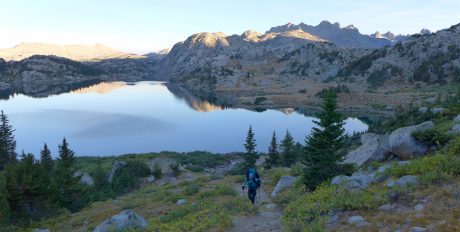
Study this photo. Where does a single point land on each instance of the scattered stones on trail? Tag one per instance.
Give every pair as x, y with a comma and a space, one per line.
355, 219
124, 220
374, 148
85, 178
284, 183
181, 202
117, 165
165, 164
404, 145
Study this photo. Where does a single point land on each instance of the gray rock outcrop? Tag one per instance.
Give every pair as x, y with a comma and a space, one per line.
85, 178
165, 165
404, 145
284, 183
117, 165
124, 220
41, 230
359, 180
374, 148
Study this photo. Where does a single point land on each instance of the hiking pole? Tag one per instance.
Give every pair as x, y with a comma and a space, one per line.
258, 195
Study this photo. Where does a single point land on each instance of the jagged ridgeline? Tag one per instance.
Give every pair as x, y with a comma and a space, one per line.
281, 56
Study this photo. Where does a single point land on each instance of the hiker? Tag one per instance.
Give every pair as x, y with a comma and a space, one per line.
253, 182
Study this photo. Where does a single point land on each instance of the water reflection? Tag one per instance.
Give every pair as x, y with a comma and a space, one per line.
119, 118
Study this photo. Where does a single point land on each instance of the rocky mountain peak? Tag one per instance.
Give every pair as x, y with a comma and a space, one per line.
351, 27
425, 31
207, 39
250, 35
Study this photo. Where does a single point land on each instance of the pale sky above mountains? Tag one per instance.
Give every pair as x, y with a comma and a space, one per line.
142, 26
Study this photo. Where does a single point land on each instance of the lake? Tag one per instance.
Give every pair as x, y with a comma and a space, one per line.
113, 118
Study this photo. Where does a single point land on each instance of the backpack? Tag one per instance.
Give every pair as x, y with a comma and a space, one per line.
256, 175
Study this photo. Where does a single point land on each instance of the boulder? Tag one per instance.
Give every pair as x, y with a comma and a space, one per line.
122, 221
359, 180
284, 183
423, 110
418, 229
403, 145
85, 178
374, 148
385, 208
40, 230
455, 130
150, 179
355, 220
407, 180
419, 207
457, 119
117, 165
431, 100
261, 160
438, 110
165, 165
181, 202
363, 224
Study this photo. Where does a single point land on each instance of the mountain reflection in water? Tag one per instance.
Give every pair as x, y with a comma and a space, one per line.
111, 118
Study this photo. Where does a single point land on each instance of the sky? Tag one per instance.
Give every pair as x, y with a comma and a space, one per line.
142, 26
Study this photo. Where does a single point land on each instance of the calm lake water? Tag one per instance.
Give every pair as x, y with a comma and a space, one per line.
119, 118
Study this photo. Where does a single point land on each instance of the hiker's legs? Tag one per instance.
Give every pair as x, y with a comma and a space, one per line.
252, 194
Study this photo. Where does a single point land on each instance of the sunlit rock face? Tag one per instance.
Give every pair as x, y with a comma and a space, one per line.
101, 88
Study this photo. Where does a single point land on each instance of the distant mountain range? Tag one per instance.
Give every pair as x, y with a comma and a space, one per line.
206, 61
73, 52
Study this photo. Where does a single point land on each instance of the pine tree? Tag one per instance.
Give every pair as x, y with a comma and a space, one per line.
287, 145
27, 194
45, 158
323, 152
7, 142
250, 145
67, 185
4, 205
273, 153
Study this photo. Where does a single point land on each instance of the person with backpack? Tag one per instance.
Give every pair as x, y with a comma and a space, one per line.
253, 182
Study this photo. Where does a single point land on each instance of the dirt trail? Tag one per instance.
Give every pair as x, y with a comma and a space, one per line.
268, 218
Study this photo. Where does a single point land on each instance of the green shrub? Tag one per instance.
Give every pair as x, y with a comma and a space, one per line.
127, 178
191, 189
431, 169
277, 173
157, 171
431, 137
310, 211
296, 170
175, 167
